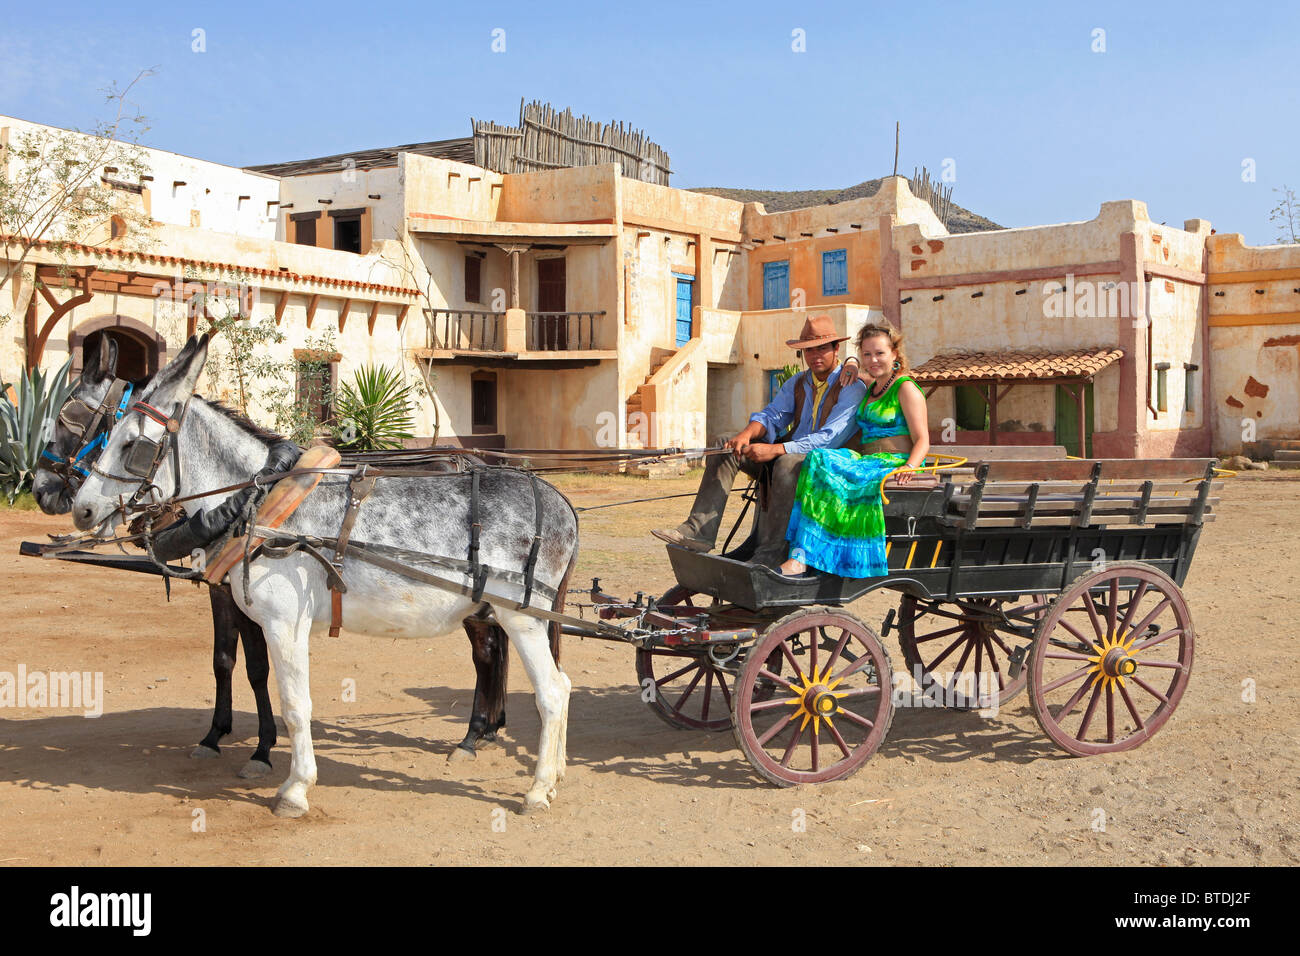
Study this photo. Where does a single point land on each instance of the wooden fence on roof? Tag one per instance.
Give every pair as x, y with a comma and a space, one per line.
547, 139
932, 191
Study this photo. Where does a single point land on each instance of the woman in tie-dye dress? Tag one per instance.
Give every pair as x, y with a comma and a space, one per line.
837, 525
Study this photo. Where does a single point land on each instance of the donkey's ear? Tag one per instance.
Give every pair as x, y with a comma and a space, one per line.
179, 376
101, 363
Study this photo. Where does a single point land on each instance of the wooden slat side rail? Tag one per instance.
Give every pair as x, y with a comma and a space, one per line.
1066, 521
1100, 506
1081, 469
1125, 488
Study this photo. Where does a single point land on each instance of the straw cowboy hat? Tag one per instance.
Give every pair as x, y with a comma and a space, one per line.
818, 330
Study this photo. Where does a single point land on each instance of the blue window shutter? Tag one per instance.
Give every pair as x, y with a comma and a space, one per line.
835, 272
776, 285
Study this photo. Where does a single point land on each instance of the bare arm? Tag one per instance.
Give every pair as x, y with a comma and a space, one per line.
912, 400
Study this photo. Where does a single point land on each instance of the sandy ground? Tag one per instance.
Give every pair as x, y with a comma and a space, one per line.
1214, 786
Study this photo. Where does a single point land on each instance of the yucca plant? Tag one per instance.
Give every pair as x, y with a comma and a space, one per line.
373, 411
27, 425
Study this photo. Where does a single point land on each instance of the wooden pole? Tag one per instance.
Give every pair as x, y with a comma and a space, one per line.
895, 147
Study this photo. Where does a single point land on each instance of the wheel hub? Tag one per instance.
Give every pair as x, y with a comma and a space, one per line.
1117, 663
815, 699
1114, 660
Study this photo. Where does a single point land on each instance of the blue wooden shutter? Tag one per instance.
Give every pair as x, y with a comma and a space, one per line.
776, 285
835, 272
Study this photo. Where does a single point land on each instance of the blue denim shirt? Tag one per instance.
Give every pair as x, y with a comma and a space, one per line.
840, 424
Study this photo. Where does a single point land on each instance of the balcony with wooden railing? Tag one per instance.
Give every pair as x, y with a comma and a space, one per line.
562, 331
470, 335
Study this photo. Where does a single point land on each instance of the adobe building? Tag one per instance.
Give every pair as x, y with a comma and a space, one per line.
574, 306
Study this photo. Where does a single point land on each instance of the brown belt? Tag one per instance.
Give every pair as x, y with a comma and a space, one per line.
898, 444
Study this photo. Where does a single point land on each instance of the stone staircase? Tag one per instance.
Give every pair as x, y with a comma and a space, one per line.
637, 427
1281, 453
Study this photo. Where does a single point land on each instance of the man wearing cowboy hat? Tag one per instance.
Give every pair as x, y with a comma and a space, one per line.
813, 409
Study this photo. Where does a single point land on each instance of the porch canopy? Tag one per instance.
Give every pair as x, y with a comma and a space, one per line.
994, 374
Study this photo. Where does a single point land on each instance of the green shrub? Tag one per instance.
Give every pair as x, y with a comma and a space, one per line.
373, 411
27, 426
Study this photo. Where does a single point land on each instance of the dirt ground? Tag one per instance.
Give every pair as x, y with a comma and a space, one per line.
1215, 786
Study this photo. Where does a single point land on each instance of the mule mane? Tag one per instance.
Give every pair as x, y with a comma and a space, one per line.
245, 423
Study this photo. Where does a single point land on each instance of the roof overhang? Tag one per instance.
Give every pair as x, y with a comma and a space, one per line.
1028, 366
427, 226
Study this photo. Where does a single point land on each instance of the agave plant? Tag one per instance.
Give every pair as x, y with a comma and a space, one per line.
373, 411
27, 425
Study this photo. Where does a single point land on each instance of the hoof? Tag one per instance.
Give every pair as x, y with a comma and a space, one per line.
254, 769
535, 805
290, 811
461, 754
204, 752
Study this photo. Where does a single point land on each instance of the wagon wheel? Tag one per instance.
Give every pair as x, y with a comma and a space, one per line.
963, 656
1111, 659
832, 706
685, 690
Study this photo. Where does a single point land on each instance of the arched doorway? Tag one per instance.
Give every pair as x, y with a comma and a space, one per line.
140, 350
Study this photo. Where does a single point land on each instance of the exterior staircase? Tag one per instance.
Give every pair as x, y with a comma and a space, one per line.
637, 427
1282, 453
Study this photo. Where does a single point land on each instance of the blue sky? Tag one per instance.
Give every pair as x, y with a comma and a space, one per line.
1038, 126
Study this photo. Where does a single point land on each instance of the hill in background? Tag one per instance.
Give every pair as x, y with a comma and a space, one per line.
959, 218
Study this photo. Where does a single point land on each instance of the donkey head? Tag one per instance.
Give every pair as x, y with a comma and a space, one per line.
136, 461
72, 448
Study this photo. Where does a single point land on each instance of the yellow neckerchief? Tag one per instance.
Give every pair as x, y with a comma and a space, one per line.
819, 392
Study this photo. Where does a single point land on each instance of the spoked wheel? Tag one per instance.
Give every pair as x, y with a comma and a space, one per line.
1111, 659
827, 711
964, 654
685, 690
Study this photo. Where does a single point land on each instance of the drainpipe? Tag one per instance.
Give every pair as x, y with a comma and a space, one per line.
1150, 322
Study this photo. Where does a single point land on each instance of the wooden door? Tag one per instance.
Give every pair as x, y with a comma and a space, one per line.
552, 297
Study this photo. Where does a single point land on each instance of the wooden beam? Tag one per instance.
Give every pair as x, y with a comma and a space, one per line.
38, 345
1010, 275
374, 314
279, 306
343, 313
993, 413
311, 308
401, 316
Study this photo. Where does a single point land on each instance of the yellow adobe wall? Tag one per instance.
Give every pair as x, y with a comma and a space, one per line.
577, 194
807, 236
1254, 338
558, 408
441, 187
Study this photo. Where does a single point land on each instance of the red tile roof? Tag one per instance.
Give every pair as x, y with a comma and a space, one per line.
955, 366
149, 257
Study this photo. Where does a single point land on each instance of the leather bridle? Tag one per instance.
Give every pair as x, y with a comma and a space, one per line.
92, 426
142, 457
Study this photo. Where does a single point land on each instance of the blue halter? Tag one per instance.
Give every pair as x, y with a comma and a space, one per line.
99, 441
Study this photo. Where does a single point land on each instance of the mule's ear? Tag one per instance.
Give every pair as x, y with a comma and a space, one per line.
179, 376
107, 356
101, 362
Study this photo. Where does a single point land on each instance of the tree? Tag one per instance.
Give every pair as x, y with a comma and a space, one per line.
1287, 216
65, 187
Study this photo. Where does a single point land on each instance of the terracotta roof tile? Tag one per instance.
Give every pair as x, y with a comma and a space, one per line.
954, 366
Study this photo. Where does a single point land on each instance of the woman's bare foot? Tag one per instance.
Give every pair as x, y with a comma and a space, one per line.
793, 568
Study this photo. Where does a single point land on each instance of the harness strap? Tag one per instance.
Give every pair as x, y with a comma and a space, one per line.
359, 488
537, 542
478, 575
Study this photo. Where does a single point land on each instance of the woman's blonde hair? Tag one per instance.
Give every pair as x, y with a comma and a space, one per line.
895, 341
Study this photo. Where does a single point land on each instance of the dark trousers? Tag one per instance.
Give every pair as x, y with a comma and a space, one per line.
711, 500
